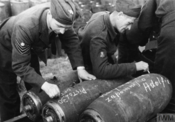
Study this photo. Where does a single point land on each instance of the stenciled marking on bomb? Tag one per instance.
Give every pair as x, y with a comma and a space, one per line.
147, 87
74, 93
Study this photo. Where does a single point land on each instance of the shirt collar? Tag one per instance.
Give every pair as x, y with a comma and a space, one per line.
44, 31
113, 33
48, 17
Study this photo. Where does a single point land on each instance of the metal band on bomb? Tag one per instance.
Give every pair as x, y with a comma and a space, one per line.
32, 105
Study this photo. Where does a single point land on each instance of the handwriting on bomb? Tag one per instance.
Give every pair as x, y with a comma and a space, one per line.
156, 83
71, 94
147, 86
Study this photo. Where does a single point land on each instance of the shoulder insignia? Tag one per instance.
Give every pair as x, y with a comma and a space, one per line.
21, 47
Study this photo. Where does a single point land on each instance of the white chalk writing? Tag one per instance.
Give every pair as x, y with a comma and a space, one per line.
148, 86
73, 93
66, 91
153, 84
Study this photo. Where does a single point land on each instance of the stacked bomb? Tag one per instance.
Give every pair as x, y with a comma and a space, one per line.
73, 103
138, 100
34, 100
83, 93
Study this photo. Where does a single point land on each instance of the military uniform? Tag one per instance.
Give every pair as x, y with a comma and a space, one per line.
99, 43
24, 38
164, 12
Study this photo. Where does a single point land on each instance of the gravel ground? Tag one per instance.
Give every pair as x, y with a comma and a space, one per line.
55, 66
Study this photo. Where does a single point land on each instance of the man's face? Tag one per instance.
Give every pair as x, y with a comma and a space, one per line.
124, 22
59, 28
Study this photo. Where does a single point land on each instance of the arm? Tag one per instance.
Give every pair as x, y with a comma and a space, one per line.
71, 44
129, 52
101, 66
21, 56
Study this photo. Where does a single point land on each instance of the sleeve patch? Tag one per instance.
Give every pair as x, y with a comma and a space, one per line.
22, 47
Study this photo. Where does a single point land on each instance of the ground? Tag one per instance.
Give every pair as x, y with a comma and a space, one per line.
55, 66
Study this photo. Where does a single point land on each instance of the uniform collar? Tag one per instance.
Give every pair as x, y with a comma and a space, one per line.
113, 33
43, 28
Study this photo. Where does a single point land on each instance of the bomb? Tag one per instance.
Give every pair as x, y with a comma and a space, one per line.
76, 99
34, 100
136, 101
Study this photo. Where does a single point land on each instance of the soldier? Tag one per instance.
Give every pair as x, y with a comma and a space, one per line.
24, 38
100, 38
163, 13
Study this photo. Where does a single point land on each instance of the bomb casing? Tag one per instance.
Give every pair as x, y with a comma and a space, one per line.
76, 99
34, 99
136, 101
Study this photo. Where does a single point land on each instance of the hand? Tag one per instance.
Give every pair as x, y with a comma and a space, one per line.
142, 66
51, 90
83, 74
